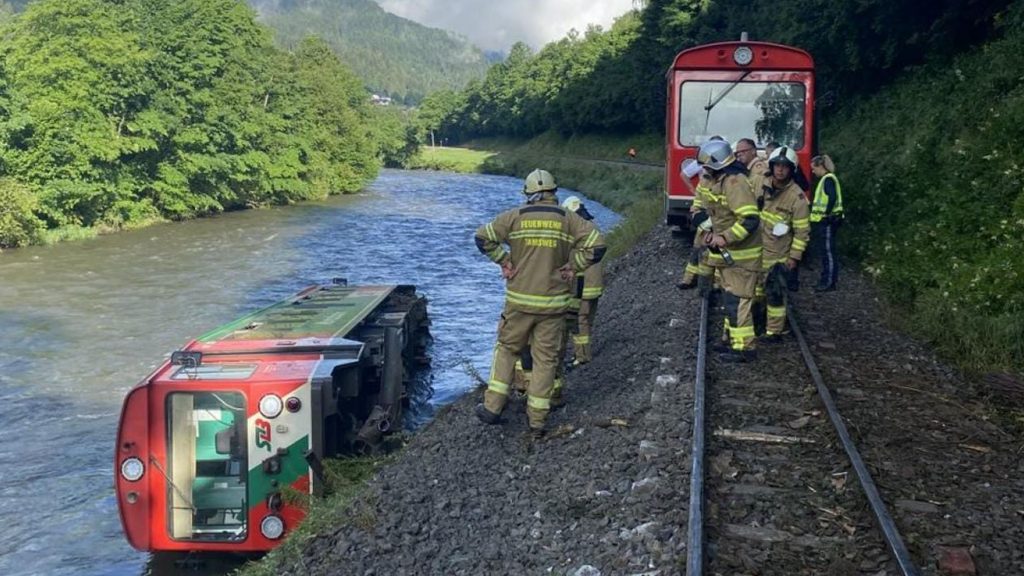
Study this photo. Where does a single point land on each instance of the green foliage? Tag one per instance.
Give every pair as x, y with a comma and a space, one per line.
392, 55
18, 223
936, 197
118, 113
461, 160
613, 80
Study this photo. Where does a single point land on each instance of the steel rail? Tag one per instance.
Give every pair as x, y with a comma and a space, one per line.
892, 535
695, 525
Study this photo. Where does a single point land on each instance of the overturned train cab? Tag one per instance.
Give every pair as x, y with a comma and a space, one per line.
209, 443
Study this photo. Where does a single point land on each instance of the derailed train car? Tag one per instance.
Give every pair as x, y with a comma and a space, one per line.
208, 443
735, 90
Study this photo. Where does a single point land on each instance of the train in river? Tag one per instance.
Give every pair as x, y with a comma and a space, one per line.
735, 90
209, 443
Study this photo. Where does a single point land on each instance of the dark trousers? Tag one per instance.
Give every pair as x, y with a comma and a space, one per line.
823, 244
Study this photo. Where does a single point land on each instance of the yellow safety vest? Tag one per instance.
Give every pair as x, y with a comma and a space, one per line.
820, 204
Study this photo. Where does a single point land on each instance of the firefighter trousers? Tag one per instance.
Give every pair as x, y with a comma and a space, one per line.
515, 331
773, 288
697, 263
740, 286
581, 340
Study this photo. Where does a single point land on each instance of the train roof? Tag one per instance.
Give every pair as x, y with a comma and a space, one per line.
766, 56
317, 319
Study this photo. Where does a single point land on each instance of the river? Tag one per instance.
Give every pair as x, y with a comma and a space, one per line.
82, 322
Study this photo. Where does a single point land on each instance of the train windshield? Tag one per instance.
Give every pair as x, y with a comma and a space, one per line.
206, 466
765, 111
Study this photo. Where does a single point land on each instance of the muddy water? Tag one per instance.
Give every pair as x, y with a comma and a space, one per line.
80, 323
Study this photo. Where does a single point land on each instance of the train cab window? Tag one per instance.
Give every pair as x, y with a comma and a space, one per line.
206, 466
765, 111
228, 371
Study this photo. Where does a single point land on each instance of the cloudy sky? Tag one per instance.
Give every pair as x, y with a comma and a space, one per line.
496, 25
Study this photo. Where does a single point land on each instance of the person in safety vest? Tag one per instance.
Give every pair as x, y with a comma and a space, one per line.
785, 231
734, 244
547, 247
826, 218
588, 287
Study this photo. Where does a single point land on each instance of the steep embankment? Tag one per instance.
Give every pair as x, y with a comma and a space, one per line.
933, 175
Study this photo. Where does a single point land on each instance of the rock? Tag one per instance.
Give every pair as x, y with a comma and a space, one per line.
649, 449
675, 323
758, 533
586, 570
644, 486
665, 380
956, 561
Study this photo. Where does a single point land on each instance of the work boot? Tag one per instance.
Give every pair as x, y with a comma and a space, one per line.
486, 416
537, 434
739, 356
721, 347
824, 288
772, 338
686, 285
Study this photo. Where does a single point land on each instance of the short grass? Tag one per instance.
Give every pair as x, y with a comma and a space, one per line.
347, 479
447, 159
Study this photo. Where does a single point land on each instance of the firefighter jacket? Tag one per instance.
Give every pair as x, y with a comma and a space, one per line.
542, 237
784, 206
733, 210
590, 283
758, 174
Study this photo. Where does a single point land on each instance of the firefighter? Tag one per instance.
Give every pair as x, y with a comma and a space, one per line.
785, 230
547, 247
826, 218
734, 244
588, 288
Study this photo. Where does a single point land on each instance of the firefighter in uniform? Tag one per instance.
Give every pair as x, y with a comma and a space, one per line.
757, 169
697, 265
587, 288
734, 243
785, 230
547, 247
826, 217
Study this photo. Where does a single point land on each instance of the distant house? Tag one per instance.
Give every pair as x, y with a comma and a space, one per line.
380, 100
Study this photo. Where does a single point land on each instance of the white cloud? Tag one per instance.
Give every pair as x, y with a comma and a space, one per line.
496, 25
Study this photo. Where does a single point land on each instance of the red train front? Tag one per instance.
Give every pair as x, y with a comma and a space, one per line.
734, 90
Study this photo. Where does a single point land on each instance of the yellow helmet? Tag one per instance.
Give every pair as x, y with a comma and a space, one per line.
539, 181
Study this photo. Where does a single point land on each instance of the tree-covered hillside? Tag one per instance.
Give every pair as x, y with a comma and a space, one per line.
392, 55
114, 113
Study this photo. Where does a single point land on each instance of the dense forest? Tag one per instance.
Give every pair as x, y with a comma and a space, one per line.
392, 55
115, 113
612, 80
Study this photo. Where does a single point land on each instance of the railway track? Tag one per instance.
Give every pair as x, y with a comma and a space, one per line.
773, 488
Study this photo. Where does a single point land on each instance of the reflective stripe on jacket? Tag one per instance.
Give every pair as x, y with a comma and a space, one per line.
541, 238
787, 206
819, 208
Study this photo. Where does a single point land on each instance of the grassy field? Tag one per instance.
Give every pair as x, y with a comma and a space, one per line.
447, 159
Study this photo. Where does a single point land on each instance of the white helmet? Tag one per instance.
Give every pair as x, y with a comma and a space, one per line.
784, 154
574, 204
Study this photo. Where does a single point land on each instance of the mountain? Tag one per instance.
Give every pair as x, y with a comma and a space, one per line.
392, 55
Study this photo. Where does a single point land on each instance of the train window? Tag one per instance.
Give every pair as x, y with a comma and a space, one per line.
764, 111
206, 466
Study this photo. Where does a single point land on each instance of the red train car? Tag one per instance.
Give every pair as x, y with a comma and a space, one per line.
210, 443
735, 90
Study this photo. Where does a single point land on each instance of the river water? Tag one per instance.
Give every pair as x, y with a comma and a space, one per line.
81, 323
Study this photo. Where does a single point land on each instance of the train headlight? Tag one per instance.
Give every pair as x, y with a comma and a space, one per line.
271, 406
272, 527
743, 55
132, 469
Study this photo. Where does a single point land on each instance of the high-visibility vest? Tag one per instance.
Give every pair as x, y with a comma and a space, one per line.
820, 204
